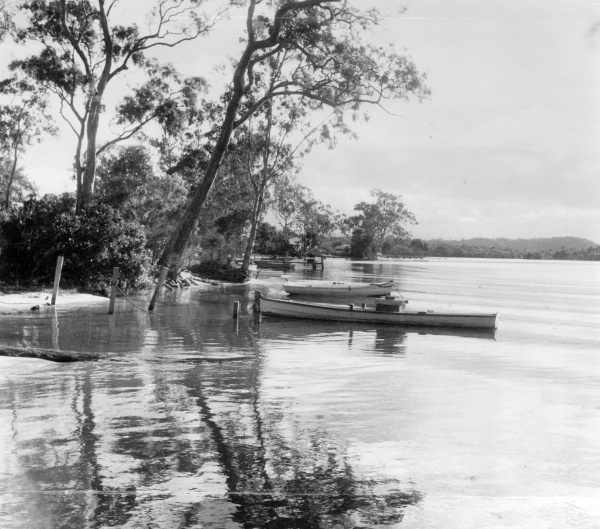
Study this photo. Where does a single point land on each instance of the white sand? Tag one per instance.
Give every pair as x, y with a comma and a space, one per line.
24, 301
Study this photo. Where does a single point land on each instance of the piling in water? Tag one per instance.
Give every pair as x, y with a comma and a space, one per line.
113, 289
256, 305
57, 271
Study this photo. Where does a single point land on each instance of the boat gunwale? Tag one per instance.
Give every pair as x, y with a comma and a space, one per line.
370, 310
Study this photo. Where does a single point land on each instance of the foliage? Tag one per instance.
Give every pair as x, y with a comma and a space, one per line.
362, 245
128, 183
6, 19
92, 242
83, 47
21, 187
402, 247
317, 49
526, 249
219, 271
313, 221
24, 119
375, 221
271, 241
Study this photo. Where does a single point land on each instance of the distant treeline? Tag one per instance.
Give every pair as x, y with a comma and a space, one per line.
567, 248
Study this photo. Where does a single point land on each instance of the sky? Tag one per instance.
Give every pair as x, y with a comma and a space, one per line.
506, 146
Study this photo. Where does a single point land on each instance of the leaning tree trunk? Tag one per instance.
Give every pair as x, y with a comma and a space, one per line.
79, 168
89, 171
252, 236
260, 191
11, 178
176, 245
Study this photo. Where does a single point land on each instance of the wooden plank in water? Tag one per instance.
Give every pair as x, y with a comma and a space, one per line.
54, 355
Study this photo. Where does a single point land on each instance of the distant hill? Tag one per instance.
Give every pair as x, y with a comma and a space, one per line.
521, 246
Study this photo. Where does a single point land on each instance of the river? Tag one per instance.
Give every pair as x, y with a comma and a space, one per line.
193, 420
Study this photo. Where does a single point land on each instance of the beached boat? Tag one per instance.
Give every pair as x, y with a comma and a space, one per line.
384, 312
338, 288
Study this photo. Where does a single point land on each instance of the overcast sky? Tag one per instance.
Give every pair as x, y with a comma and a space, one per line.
507, 145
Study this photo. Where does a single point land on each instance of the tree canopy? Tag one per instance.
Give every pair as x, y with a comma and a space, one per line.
24, 119
83, 46
375, 221
318, 52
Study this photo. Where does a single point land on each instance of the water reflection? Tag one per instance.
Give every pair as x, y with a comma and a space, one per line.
280, 481
195, 421
177, 433
387, 338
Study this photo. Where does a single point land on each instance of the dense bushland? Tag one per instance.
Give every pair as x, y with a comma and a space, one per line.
92, 241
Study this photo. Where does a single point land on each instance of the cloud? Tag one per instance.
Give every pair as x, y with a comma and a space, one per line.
593, 34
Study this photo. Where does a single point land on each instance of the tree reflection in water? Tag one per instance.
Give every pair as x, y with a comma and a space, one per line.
286, 483
137, 432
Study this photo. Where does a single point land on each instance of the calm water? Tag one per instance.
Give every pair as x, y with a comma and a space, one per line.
195, 422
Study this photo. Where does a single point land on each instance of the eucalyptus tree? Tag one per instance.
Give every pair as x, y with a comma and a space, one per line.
326, 64
83, 46
24, 119
375, 221
20, 186
276, 137
6, 16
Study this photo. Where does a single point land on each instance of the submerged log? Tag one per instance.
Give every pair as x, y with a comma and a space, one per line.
54, 355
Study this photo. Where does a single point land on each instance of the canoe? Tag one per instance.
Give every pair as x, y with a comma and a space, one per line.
338, 288
349, 313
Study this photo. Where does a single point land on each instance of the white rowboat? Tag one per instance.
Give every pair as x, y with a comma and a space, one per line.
338, 288
330, 312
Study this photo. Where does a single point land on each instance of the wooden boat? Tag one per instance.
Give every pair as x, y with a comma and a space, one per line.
338, 288
380, 314
276, 328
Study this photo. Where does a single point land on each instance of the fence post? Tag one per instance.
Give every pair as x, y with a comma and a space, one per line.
113, 289
161, 279
57, 271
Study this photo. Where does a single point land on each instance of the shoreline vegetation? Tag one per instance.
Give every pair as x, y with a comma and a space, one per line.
197, 180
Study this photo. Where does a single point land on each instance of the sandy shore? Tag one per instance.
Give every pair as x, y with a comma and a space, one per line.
40, 300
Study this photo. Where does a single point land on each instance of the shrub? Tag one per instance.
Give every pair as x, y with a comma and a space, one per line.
219, 271
92, 242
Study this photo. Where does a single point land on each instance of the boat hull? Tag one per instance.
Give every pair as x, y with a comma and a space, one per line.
330, 312
339, 289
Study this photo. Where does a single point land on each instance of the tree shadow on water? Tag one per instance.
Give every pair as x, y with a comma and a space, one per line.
279, 483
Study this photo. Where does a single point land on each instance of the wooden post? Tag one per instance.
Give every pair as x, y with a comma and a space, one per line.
161, 280
59, 264
54, 330
236, 309
256, 306
113, 289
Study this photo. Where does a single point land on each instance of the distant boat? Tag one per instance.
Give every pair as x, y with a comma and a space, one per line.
338, 288
384, 312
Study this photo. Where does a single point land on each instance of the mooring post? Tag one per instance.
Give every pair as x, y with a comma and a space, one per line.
57, 271
161, 280
113, 289
236, 309
256, 306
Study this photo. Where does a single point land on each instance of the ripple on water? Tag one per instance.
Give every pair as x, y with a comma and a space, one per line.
194, 421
